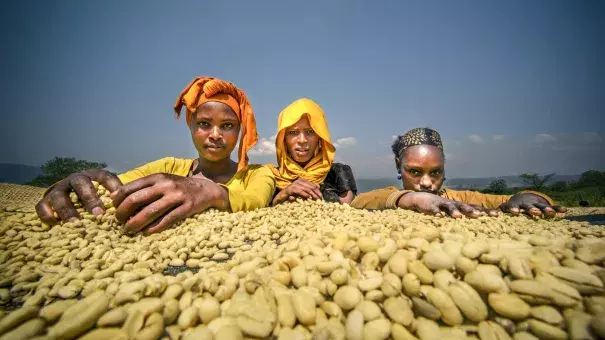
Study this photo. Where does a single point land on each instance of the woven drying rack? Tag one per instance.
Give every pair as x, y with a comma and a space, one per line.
20, 197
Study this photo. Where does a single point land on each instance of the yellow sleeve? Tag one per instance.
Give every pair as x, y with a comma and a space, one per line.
487, 201
385, 198
254, 192
169, 165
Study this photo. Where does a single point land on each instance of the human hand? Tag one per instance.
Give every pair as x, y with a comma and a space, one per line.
300, 188
57, 198
432, 204
489, 212
153, 203
532, 204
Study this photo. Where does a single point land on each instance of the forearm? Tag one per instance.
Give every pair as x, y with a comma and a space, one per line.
399, 199
404, 202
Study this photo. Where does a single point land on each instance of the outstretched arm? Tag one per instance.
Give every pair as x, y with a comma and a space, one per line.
532, 202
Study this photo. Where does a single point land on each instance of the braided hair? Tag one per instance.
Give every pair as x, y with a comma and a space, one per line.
417, 136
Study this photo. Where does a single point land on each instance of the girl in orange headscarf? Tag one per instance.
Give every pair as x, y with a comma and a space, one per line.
157, 194
305, 157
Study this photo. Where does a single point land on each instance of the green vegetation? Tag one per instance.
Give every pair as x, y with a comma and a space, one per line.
589, 188
58, 168
595, 196
535, 181
498, 187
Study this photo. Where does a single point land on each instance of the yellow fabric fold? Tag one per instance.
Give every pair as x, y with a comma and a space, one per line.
318, 167
387, 198
488, 201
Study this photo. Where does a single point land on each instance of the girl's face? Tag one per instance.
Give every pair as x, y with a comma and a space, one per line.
214, 130
422, 168
301, 141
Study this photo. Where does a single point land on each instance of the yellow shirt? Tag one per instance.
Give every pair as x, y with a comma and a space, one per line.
250, 188
387, 198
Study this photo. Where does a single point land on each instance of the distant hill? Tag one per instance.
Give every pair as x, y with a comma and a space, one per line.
511, 181
18, 173
368, 184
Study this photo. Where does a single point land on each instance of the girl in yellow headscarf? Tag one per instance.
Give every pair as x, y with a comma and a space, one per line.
305, 158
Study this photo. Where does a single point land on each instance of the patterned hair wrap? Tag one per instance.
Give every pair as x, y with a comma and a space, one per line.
417, 136
422, 136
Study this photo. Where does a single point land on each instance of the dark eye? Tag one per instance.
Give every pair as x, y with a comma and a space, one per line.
293, 132
414, 172
204, 124
228, 126
311, 132
436, 173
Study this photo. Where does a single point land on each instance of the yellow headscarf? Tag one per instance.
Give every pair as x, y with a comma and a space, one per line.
318, 167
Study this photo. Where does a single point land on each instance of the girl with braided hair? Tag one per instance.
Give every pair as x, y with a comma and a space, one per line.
154, 196
420, 162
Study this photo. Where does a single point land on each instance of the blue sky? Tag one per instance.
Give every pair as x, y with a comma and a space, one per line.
512, 86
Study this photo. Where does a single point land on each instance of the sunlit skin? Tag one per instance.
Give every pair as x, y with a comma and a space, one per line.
423, 170
214, 130
301, 141
302, 144
153, 203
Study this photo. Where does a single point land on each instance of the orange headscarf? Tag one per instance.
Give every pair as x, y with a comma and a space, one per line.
208, 89
318, 167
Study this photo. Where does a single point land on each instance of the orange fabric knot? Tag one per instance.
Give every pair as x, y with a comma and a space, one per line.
206, 89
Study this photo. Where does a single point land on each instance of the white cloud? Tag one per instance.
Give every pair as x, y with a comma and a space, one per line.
264, 147
345, 142
498, 137
476, 139
591, 137
542, 138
